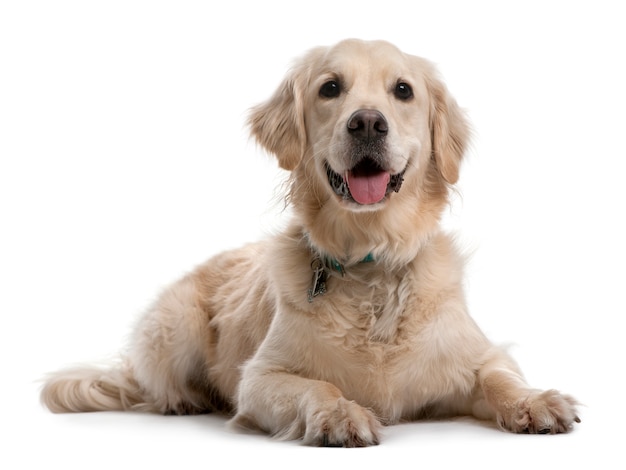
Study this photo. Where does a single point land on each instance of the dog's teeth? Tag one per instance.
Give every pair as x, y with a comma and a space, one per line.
338, 184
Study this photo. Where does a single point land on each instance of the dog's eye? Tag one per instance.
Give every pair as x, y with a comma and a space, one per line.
403, 91
330, 89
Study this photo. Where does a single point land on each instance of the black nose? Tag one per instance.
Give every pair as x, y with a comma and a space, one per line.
367, 124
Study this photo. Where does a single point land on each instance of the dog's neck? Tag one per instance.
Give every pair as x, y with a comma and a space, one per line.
336, 264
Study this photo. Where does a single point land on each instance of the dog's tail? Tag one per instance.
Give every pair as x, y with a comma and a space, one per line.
93, 389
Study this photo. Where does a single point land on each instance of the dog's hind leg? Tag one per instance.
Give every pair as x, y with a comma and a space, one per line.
164, 370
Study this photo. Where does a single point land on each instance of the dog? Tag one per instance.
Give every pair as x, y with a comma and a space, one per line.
353, 317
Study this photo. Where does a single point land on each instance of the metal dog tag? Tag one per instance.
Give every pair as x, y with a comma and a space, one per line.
318, 286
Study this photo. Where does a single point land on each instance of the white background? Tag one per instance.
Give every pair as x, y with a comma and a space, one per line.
124, 161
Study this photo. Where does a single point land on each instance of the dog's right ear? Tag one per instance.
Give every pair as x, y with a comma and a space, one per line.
278, 124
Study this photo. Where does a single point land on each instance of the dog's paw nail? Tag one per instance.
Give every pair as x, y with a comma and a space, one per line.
326, 442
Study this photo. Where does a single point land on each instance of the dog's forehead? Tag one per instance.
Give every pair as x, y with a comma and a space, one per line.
357, 58
363, 49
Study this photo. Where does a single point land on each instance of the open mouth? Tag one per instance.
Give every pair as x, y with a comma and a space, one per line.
366, 183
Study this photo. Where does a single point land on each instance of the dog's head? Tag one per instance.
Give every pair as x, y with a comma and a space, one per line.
357, 123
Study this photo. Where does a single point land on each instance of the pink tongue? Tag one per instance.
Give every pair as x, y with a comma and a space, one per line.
368, 189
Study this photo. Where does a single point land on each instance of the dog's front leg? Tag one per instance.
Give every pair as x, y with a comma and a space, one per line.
292, 407
520, 408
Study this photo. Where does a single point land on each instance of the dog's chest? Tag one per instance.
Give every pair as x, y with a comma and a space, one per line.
366, 306
380, 343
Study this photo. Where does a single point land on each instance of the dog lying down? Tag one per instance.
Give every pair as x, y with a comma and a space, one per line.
353, 317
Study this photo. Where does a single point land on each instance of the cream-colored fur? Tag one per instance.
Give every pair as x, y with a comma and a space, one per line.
389, 339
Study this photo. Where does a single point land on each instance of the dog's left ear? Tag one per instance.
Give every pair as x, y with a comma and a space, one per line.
449, 131
278, 123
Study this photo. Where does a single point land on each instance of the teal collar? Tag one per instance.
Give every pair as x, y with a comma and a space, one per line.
337, 266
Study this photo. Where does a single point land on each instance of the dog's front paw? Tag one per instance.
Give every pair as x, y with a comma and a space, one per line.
342, 424
547, 412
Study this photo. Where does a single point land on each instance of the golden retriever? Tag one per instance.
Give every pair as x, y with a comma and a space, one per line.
353, 317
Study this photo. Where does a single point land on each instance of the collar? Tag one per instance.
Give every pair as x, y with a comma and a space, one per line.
337, 266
